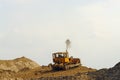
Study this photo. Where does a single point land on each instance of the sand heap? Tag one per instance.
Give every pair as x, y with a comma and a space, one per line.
18, 64
26, 69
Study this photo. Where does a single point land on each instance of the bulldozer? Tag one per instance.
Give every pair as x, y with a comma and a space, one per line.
62, 61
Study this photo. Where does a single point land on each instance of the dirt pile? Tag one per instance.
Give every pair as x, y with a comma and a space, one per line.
114, 73
83, 73
107, 74
8, 68
17, 64
26, 69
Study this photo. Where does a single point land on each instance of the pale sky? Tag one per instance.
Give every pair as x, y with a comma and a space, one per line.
38, 28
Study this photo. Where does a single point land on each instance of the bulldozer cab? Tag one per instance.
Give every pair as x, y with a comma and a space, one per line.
60, 57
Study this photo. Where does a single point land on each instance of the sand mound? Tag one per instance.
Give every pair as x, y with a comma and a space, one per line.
18, 64
26, 69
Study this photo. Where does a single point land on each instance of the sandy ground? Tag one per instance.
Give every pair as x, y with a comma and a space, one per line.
46, 72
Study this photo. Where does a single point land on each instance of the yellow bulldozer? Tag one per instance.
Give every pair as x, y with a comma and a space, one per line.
62, 61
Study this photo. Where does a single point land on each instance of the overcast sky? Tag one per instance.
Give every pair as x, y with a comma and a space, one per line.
38, 28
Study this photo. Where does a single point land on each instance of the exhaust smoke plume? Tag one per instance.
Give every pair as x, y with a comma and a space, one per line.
68, 44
